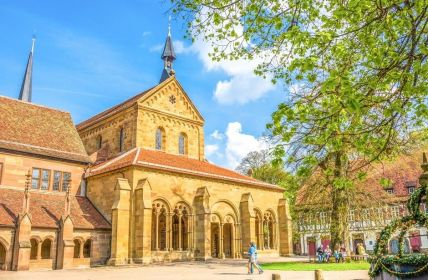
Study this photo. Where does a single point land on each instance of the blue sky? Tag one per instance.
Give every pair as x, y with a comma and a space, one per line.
91, 55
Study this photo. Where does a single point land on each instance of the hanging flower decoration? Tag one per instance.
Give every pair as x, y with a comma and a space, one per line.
381, 261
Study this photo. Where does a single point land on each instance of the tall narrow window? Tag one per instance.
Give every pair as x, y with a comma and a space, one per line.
99, 141
182, 144
56, 180
66, 180
121, 140
160, 139
46, 174
35, 182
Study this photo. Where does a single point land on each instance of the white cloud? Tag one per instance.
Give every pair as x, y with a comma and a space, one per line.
242, 85
211, 149
217, 135
240, 144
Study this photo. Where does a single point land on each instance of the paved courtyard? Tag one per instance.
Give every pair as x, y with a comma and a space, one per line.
176, 271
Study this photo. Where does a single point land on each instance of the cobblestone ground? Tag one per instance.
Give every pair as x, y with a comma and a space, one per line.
176, 271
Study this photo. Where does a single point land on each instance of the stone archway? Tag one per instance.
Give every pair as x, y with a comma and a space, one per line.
2, 256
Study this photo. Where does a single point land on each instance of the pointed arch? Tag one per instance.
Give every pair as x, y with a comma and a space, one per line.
160, 220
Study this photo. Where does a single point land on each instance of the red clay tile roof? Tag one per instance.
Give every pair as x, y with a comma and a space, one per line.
46, 210
403, 172
29, 128
174, 163
111, 111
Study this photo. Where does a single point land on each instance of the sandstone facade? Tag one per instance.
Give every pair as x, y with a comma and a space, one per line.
168, 205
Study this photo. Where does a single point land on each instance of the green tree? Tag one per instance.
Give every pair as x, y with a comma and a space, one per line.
360, 69
258, 164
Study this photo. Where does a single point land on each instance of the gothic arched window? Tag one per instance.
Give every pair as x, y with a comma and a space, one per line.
182, 144
160, 139
121, 140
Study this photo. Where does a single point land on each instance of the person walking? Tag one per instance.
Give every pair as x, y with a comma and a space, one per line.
252, 259
255, 264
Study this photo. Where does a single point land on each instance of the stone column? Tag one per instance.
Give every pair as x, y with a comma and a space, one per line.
39, 250
248, 219
22, 245
285, 228
157, 231
169, 246
221, 249
120, 214
65, 243
180, 246
202, 228
21, 259
81, 250
143, 222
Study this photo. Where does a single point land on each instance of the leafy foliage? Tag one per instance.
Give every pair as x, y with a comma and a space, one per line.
360, 69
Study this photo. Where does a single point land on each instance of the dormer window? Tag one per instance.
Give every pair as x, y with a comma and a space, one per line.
410, 190
390, 191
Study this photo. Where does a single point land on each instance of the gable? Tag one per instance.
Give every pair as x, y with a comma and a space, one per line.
170, 98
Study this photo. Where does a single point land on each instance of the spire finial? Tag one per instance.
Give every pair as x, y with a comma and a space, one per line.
26, 204
33, 40
168, 56
169, 26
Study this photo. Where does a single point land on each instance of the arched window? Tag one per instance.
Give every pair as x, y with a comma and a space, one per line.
182, 144
33, 251
46, 249
160, 139
159, 226
76, 254
180, 228
121, 140
268, 230
87, 249
258, 229
99, 141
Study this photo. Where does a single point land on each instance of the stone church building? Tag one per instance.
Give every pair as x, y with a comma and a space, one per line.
129, 185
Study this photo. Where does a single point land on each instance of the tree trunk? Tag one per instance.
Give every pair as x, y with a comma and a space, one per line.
340, 207
339, 218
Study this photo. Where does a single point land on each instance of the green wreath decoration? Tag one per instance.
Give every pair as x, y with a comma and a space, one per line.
381, 261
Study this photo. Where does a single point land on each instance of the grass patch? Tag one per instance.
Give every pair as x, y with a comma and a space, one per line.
301, 266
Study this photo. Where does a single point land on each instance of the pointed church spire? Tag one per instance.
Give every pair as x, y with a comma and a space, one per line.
168, 56
26, 87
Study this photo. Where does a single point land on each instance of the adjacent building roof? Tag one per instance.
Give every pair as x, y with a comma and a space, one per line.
29, 128
174, 163
46, 210
402, 172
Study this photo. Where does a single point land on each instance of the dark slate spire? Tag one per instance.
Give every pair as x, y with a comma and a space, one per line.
26, 87
168, 56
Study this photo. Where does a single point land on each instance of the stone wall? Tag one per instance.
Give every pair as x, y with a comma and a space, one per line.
15, 167
109, 130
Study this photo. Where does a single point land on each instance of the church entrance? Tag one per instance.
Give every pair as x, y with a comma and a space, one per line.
227, 240
215, 240
2, 257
